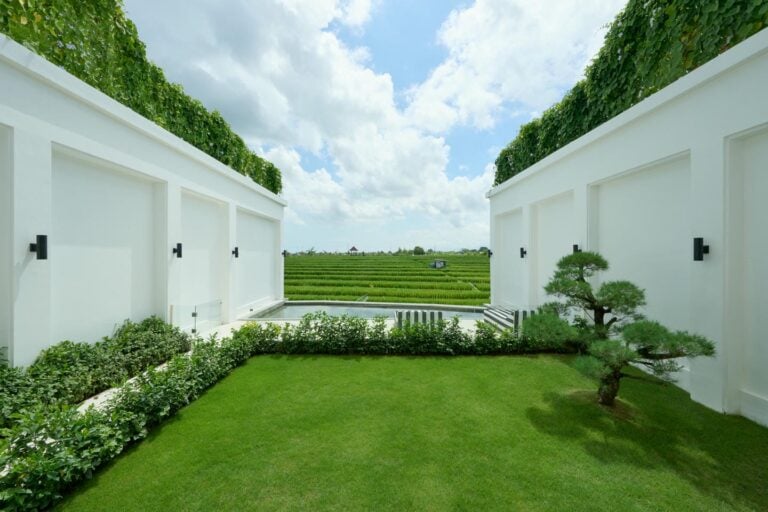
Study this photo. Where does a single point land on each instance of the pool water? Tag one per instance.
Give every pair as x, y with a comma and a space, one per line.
296, 311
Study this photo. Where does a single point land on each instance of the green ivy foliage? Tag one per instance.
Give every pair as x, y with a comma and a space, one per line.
96, 42
649, 45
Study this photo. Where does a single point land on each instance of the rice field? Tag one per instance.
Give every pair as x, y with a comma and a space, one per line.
464, 281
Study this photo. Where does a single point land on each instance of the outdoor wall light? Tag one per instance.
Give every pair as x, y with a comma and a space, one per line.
236, 252
699, 249
284, 253
523, 252
490, 253
40, 247
177, 250
576, 248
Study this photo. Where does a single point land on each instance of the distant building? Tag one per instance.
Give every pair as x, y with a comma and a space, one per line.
352, 251
438, 264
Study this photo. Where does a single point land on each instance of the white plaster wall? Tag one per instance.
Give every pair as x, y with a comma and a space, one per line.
101, 248
31, 216
750, 180
644, 231
6, 288
687, 162
553, 235
256, 268
117, 203
509, 238
205, 255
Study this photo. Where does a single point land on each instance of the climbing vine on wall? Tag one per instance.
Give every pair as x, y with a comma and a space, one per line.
96, 42
650, 44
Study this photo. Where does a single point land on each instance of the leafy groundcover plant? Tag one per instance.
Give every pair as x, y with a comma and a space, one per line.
68, 372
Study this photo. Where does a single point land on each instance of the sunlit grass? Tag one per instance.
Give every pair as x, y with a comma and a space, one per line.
430, 433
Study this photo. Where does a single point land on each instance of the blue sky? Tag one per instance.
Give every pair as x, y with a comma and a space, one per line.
385, 116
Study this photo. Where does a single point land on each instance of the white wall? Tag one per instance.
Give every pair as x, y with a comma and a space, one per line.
101, 249
553, 236
258, 240
643, 230
205, 255
509, 239
690, 161
114, 193
5, 242
748, 209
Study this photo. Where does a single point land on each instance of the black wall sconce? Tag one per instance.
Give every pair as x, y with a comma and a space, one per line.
490, 253
699, 249
284, 253
40, 247
576, 248
523, 252
236, 252
177, 250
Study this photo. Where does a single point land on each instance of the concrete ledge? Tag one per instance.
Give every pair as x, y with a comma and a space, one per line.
754, 407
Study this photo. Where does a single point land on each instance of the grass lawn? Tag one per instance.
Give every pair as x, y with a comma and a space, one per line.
423, 433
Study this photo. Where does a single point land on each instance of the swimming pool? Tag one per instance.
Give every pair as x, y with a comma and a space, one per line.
294, 311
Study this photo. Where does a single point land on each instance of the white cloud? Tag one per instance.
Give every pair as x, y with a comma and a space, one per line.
285, 80
507, 52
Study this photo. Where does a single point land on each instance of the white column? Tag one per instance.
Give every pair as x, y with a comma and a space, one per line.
708, 375
581, 207
31, 216
6, 237
527, 270
172, 236
279, 263
228, 309
530, 219
494, 269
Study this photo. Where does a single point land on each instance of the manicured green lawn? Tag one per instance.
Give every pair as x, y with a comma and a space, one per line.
421, 433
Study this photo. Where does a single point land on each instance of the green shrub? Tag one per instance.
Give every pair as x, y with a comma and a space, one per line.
68, 372
546, 332
51, 448
18, 391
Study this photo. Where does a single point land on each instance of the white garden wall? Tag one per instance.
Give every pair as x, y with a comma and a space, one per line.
258, 239
115, 193
690, 161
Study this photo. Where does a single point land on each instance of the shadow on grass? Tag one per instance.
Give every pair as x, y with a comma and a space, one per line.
659, 426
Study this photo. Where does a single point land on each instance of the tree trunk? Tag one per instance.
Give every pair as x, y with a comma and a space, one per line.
599, 318
609, 388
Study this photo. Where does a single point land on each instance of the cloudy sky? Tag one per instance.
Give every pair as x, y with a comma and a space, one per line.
385, 116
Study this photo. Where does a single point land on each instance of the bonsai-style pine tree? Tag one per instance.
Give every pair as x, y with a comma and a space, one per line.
612, 328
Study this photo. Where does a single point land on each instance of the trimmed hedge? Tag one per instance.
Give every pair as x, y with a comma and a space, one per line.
96, 42
649, 45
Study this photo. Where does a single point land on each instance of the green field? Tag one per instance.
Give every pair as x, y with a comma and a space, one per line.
435, 433
464, 281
